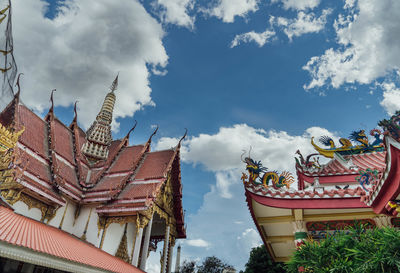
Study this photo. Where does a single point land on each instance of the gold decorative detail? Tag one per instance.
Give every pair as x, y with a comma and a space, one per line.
77, 213
164, 205
122, 251
8, 139
12, 196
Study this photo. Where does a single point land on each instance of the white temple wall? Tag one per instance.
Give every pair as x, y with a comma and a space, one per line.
80, 223
130, 233
21, 208
113, 238
92, 230
55, 222
69, 218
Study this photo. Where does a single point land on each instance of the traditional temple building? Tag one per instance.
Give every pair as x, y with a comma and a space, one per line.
79, 201
359, 184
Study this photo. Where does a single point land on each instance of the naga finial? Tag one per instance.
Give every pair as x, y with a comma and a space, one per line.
114, 85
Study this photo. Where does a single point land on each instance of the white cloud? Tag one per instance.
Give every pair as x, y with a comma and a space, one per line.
176, 12
368, 39
391, 98
298, 4
227, 10
80, 51
197, 242
220, 219
304, 23
259, 38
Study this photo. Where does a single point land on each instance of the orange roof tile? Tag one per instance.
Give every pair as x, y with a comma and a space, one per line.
126, 159
21, 231
155, 164
62, 140
34, 136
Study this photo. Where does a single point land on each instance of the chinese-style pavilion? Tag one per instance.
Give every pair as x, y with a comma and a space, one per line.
81, 201
360, 183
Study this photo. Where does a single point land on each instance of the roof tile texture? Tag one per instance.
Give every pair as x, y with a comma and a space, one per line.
21, 231
155, 165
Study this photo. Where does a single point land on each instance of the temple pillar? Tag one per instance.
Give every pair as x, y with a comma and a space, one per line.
383, 221
165, 250
136, 250
146, 243
300, 232
170, 253
178, 260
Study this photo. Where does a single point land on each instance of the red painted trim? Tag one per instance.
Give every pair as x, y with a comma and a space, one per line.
391, 186
320, 203
250, 207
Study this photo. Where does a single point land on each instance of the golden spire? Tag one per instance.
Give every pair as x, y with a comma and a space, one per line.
98, 137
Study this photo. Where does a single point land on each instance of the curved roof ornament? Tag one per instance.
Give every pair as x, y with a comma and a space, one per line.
52, 101
75, 113
131, 130
182, 138
114, 85
19, 87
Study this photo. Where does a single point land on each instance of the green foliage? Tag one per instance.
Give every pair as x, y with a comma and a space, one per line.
261, 261
212, 265
188, 267
356, 250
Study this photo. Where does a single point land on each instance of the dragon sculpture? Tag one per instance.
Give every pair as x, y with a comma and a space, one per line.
367, 177
308, 163
391, 127
347, 148
260, 175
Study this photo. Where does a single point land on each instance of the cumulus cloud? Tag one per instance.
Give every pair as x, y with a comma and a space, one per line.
391, 97
221, 219
227, 10
176, 12
298, 4
304, 23
197, 242
80, 51
259, 38
367, 38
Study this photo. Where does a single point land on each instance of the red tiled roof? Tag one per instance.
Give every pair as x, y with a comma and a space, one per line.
126, 159
34, 136
135, 190
35, 167
21, 231
109, 182
66, 172
334, 193
155, 164
62, 140
374, 161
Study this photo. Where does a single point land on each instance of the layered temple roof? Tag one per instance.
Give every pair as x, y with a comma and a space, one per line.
360, 182
51, 161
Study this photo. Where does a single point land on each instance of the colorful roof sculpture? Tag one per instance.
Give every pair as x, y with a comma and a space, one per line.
51, 161
21, 231
360, 181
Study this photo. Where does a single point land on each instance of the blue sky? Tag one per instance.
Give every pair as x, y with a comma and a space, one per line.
236, 73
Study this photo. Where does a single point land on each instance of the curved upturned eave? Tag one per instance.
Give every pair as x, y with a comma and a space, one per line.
390, 188
308, 203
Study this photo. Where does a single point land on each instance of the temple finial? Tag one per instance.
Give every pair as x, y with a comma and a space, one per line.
76, 113
182, 138
19, 87
52, 101
114, 85
131, 130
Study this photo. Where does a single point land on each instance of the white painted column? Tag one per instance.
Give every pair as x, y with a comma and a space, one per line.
178, 260
165, 252
146, 243
170, 254
136, 250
